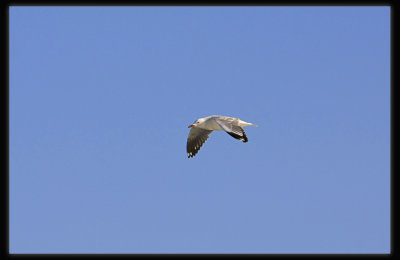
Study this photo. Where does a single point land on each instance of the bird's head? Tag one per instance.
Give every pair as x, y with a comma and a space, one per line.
197, 122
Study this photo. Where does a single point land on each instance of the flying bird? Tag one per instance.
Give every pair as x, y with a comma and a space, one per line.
203, 127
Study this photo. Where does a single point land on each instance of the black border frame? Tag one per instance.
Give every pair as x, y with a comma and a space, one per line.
394, 114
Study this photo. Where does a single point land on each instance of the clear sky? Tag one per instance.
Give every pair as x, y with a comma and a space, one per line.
100, 102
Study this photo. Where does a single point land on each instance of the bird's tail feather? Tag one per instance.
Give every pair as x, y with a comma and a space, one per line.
243, 123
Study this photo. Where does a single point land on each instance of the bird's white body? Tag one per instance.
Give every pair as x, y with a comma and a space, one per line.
209, 123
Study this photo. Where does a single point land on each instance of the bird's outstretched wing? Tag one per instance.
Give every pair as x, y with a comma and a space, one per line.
196, 139
232, 129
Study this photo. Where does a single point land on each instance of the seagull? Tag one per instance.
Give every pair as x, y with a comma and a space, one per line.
203, 127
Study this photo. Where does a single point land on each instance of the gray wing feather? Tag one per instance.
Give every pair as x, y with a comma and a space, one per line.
232, 129
197, 137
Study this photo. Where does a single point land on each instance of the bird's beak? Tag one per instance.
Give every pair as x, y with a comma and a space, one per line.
190, 126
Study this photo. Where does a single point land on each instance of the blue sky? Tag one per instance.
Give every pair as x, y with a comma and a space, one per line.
100, 101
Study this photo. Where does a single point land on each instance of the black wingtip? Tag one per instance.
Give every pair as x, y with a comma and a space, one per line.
239, 137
